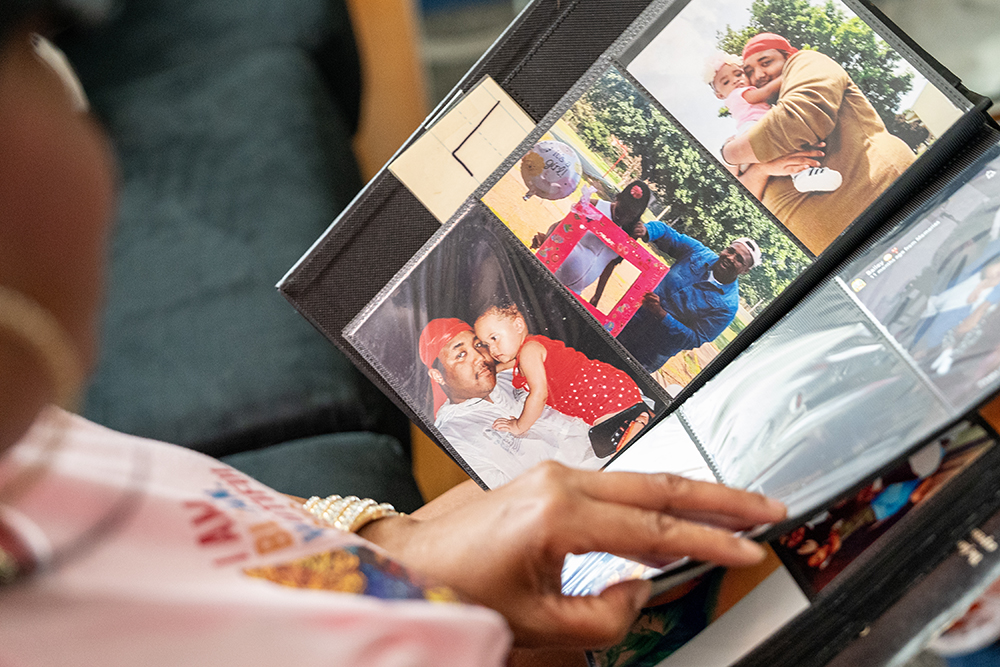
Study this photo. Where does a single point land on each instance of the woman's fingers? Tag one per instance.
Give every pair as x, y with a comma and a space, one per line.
678, 495
641, 516
506, 548
717, 520
651, 536
591, 621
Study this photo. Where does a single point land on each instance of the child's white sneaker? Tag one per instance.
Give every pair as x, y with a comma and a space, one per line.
817, 179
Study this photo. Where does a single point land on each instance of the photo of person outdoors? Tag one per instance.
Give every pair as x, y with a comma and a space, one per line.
644, 173
748, 104
483, 345
694, 303
823, 90
935, 284
591, 260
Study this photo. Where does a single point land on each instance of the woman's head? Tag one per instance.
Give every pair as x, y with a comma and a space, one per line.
630, 204
502, 329
56, 192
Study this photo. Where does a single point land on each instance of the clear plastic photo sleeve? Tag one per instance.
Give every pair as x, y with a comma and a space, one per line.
488, 349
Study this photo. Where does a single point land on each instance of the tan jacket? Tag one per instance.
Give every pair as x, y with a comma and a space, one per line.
819, 102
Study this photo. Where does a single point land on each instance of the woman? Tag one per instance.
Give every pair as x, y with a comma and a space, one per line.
116, 550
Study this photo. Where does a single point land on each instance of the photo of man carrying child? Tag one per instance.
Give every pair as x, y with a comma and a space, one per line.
806, 105
819, 114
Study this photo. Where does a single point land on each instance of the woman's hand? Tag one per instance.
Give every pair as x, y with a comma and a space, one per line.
505, 548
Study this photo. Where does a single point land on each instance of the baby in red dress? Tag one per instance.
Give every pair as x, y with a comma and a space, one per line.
554, 374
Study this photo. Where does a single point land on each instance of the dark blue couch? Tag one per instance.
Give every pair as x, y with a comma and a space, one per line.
232, 121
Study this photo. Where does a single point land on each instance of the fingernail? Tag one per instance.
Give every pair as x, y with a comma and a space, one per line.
642, 596
751, 548
777, 506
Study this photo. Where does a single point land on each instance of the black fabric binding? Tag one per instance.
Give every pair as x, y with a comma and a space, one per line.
884, 572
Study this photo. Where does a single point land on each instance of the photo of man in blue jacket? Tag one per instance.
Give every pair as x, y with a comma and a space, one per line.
694, 302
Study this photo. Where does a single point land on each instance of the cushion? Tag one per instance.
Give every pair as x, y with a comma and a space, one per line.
234, 158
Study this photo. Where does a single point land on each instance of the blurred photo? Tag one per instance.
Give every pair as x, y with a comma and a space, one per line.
935, 285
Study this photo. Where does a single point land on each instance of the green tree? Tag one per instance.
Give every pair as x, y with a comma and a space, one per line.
703, 202
871, 63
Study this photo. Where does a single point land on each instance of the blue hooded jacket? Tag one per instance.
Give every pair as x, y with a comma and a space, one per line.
698, 310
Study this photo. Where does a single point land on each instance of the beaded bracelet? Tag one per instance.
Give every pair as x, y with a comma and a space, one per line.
348, 514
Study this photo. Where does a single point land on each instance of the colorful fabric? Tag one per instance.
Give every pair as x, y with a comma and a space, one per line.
159, 555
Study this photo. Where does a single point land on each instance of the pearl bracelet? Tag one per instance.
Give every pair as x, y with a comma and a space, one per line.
349, 514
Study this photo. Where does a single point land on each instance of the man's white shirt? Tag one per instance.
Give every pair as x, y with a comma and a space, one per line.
498, 457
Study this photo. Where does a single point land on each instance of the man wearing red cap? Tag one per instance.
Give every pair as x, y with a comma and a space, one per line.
469, 396
818, 107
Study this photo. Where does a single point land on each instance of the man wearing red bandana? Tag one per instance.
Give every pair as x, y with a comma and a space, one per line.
469, 396
819, 108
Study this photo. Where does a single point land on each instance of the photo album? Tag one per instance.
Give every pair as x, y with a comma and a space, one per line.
755, 242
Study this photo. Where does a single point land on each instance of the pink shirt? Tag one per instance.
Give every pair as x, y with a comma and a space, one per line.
205, 566
744, 113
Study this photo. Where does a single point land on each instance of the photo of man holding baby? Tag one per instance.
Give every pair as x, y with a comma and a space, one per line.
482, 342
810, 109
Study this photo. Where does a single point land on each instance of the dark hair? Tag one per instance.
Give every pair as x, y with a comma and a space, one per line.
505, 309
630, 204
13, 13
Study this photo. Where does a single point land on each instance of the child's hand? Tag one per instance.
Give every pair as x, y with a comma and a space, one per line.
508, 425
